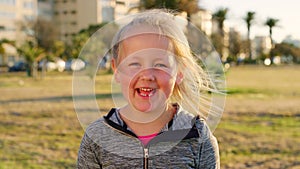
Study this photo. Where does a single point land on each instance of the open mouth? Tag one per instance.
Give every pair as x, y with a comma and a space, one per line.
145, 91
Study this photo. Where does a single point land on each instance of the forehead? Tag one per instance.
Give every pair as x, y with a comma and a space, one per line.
146, 41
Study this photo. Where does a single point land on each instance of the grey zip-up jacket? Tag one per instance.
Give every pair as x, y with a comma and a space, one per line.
186, 142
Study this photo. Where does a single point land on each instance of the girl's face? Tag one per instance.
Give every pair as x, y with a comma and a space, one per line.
147, 71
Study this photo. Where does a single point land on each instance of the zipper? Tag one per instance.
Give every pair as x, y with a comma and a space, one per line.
146, 157
146, 149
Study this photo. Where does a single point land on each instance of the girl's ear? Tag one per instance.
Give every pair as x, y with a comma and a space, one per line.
179, 78
114, 64
114, 68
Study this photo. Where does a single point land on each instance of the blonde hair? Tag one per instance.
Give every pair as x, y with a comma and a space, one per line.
188, 93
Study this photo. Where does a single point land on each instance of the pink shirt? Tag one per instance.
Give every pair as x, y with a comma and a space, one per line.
145, 139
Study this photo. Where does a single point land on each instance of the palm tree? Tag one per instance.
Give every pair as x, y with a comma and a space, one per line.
220, 16
249, 19
271, 22
31, 52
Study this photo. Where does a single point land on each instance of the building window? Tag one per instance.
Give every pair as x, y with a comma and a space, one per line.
73, 12
65, 12
8, 2
28, 5
73, 23
28, 17
7, 15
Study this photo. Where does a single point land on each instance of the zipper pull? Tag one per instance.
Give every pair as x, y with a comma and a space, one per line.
146, 157
146, 153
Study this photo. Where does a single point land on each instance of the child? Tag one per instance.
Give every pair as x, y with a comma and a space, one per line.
161, 125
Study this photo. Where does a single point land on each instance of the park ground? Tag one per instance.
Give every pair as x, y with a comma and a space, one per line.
260, 126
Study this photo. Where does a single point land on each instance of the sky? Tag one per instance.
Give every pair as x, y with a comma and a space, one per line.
287, 11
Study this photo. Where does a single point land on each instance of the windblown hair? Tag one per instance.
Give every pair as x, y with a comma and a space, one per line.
189, 92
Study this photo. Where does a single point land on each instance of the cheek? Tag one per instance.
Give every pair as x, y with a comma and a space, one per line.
166, 83
127, 84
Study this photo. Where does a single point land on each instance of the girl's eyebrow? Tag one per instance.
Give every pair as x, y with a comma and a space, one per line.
131, 57
159, 59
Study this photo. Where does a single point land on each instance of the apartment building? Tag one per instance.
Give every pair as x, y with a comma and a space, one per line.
45, 9
71, 16
14, 14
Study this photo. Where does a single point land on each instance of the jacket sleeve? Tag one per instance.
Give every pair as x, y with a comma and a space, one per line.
209, 150
88, 156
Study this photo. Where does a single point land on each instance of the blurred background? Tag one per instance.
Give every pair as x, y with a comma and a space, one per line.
40, 43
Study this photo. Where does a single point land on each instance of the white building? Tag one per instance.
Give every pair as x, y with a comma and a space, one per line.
203, 20
261, 45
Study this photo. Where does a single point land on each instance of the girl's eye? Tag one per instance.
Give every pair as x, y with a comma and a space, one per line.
161, 65
134, 64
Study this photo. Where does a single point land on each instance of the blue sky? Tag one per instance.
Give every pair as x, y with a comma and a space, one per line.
287, 11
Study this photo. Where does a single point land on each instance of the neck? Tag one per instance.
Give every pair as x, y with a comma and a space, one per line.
143, 117
146, 127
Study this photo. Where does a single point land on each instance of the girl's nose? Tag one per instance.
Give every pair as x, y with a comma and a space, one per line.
147, 75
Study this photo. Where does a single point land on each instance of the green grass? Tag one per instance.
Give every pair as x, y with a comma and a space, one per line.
259, 128
261, 123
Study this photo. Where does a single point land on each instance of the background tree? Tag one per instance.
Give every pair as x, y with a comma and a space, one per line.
287, 50
188, 6
249, 19
76, 45
45, 34
220, 16
58, 49
235, 46
2, 48
80, 39
40, 32
271, 23
31, 52
39, 44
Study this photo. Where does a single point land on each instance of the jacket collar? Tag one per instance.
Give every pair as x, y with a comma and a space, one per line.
182, 122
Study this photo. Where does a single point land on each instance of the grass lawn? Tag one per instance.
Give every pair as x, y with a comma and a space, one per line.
259, 128
261, 123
